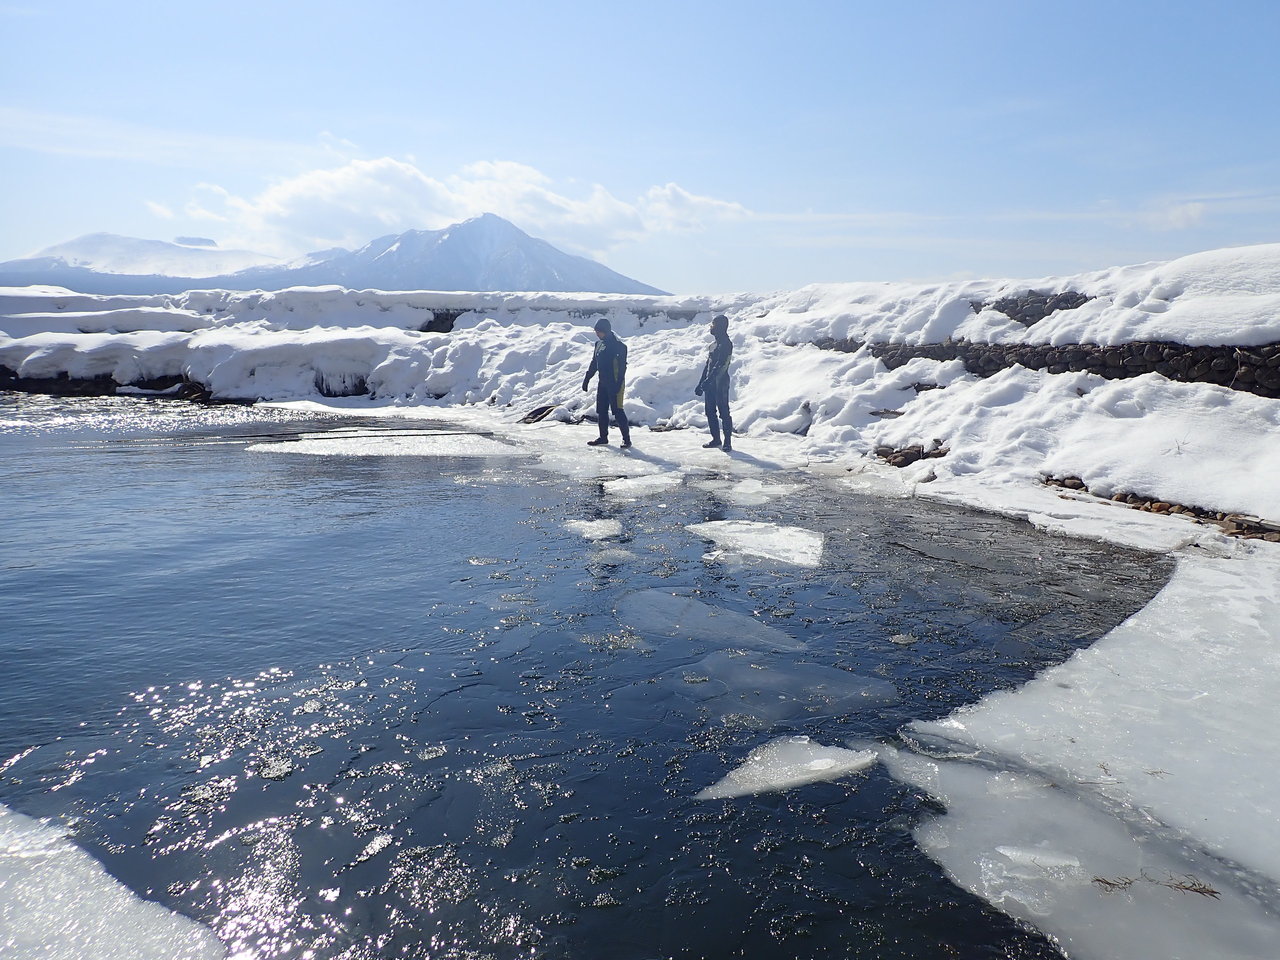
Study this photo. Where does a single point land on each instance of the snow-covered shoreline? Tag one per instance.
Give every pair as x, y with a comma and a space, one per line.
1192, 443
1170, 711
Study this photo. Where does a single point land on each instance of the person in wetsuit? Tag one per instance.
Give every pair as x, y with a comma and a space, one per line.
714, 385
610, 361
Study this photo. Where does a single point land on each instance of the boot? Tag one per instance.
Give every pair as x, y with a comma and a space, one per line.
598, 442
713, 442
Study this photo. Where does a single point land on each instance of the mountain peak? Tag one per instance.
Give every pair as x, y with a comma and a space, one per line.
484, 253
186, 257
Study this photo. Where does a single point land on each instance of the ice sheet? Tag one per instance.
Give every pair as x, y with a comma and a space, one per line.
58, 903
785, 763
1170, 715
1148, 760
1089, 518
794, 545
661, 614
1102, 890
772, 691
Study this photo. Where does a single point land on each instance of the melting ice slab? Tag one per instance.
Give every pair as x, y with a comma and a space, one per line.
606, 529
58, 903
1045, 855
1174, 713
774, 692
631, 488
661, 614
785, 763
1158, 771
794, 545
391, 444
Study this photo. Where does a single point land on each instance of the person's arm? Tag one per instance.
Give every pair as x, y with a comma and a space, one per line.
591, 372
620, 364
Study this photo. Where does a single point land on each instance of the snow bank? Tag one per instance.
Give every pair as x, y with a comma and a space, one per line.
1189, 443
1200, 445
1221, 296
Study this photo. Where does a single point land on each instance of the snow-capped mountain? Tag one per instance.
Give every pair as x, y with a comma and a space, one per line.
483, 253
111, 253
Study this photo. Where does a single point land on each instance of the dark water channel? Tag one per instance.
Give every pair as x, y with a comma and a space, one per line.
383, 706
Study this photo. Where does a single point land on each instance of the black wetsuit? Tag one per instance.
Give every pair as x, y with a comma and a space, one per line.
610, 361
715, 388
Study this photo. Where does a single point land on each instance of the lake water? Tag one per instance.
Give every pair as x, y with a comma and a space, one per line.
357, 706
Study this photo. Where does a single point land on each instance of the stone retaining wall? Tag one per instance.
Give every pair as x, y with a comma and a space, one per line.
1253, 369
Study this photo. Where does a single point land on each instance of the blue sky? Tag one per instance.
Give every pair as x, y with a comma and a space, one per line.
699, 147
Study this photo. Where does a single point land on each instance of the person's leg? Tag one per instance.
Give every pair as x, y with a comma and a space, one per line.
726, 419
713, 423
620, 418
602, 415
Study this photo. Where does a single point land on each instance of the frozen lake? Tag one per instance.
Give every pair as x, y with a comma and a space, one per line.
454, 703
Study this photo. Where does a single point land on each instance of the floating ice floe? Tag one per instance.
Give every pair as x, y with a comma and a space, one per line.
785, 763
612, 556
390, 444
631, 488
753, 686
752, 492
59, 903
661, 614
794, 545
606, 529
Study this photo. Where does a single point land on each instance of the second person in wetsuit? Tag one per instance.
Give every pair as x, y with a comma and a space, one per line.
714, 385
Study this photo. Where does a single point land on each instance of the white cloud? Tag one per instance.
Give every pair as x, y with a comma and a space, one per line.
350, 204
1179, 216
673, 208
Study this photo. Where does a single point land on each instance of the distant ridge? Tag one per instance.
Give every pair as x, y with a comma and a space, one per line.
485, 253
